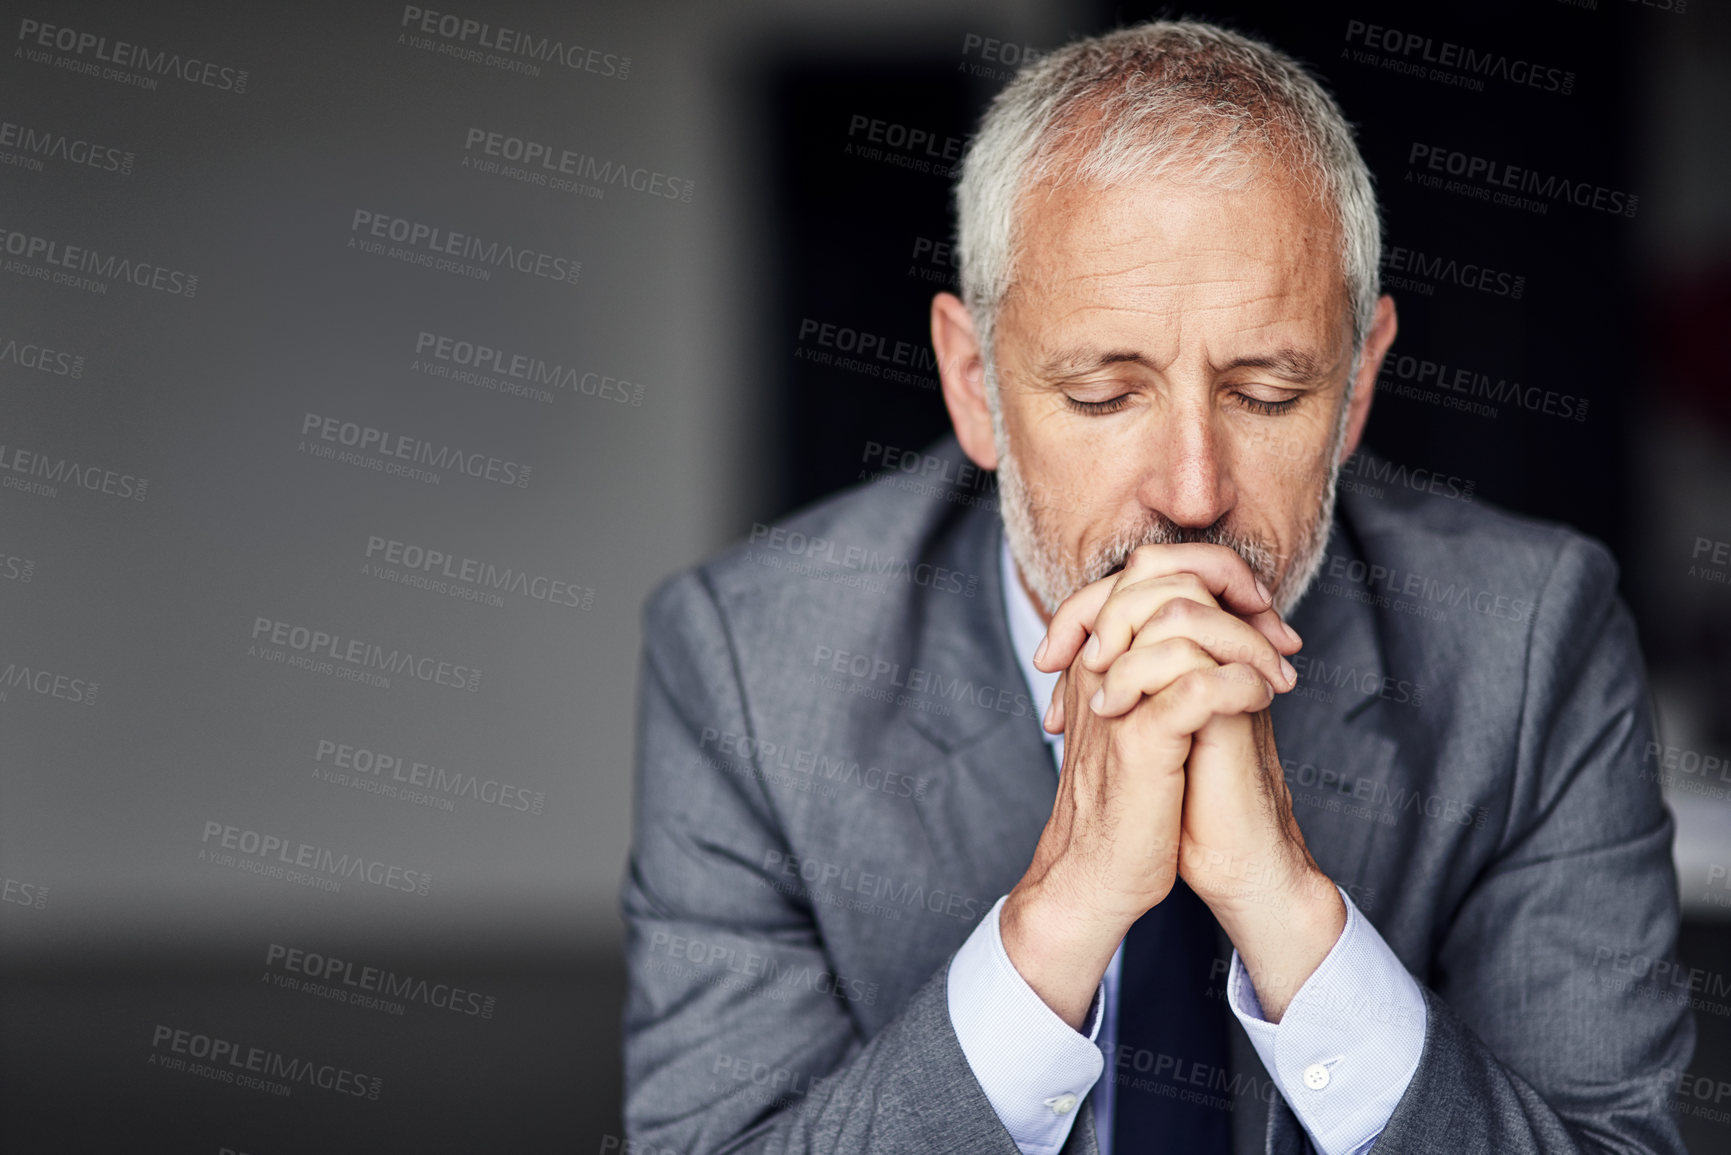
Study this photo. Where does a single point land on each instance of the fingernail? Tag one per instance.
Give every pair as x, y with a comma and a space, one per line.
1098, 701
1047, 721
1291, 674
1296, 636
1263, 590
1092, 649
1040, 651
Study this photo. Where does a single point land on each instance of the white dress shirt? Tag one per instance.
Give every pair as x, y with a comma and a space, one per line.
1341, 1056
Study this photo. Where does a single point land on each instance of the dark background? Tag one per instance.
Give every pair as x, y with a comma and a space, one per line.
714, 308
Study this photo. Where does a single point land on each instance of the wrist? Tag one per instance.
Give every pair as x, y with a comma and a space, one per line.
1284, 938
1060, 949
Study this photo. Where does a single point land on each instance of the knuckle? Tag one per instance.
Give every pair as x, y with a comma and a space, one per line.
1192, 653
1194, 686
1181, 609
1249, 680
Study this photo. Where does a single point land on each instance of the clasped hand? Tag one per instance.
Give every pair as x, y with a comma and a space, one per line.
1170, 770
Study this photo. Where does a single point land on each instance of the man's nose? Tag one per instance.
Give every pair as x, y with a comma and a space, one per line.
1189, 477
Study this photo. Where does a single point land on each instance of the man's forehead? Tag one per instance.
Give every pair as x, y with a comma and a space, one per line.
1157, 232
1263, 260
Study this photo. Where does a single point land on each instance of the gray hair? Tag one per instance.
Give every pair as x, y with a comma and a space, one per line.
1177, 98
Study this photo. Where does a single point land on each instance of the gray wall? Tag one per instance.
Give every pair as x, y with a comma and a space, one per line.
179, 523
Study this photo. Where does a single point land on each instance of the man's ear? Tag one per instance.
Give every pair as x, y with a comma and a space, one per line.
963, 373
1376, 345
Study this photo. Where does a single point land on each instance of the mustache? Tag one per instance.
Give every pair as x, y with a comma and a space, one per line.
1115, 553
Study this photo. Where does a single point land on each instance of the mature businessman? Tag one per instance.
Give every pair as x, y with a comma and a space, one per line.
1335, 884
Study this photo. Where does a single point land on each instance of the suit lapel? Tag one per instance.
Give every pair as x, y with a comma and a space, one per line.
1336, 726
997, 783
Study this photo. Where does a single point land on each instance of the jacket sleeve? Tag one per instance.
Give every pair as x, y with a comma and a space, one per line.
739, 1035
1538, 1039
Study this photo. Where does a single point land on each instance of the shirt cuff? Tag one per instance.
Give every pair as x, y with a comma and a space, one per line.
1033, 1066
1349, 1042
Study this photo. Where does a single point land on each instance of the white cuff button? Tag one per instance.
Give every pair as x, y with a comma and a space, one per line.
1316, 1076
1062, 1104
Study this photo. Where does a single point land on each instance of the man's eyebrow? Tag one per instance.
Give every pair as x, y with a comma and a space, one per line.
1291, 364
1288, 363
1071, 362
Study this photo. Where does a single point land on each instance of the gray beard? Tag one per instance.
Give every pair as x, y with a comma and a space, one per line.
1053, 577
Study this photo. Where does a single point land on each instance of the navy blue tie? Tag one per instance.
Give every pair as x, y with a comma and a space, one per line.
1173, 1095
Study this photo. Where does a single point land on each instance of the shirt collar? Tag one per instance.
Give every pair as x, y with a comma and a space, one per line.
1026, 630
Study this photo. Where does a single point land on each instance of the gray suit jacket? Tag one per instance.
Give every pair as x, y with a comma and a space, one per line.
839, 771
